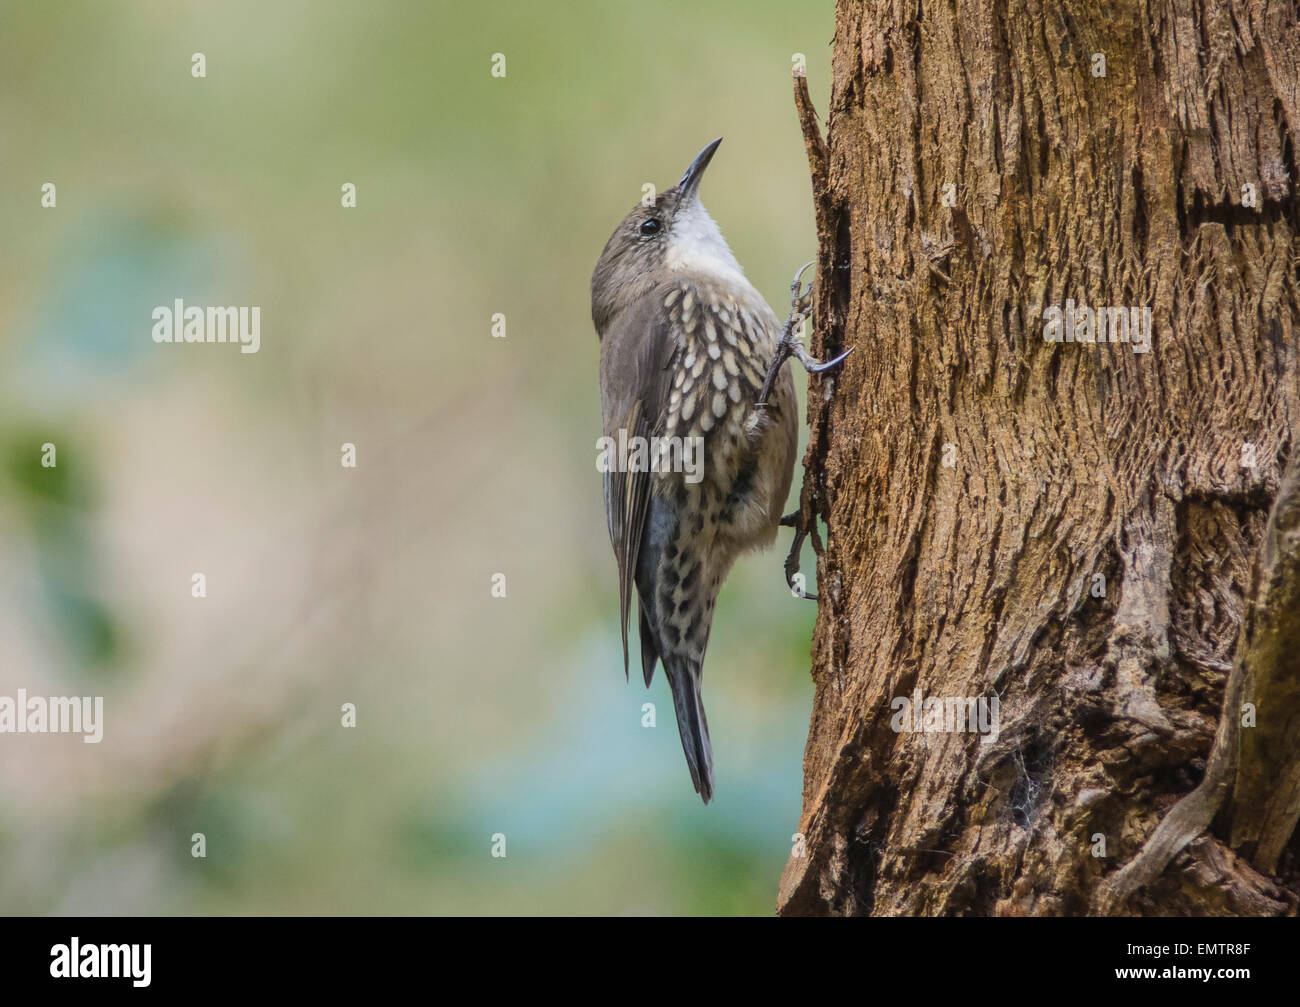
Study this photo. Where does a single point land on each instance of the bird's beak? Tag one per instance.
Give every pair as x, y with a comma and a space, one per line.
690, 183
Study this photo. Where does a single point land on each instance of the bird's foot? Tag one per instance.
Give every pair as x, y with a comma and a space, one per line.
790, 344
800, 299
793, 578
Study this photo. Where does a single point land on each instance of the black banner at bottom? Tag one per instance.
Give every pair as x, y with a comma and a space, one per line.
233, 955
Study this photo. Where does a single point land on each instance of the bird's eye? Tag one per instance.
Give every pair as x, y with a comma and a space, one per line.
650, 226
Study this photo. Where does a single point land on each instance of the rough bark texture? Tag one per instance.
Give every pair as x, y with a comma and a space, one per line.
969, 571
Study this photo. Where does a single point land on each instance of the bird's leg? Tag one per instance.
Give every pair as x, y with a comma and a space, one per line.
795, 520
790, 346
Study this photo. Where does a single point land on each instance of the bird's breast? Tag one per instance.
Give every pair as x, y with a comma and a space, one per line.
724, 340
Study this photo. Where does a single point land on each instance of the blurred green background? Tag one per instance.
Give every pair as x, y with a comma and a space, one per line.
476, 456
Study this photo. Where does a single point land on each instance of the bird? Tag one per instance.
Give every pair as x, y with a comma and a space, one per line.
691, 356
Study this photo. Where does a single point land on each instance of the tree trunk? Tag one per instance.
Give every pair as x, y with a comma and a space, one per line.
1105, 540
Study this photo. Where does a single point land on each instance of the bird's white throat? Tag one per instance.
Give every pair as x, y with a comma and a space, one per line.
696, 245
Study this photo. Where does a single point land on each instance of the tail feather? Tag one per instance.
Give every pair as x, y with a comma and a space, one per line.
649, 647
662, 640
692, 724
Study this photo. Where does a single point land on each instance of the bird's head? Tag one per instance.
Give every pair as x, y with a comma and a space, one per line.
674, 233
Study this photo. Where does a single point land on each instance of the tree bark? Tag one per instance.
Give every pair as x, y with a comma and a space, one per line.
1105, 540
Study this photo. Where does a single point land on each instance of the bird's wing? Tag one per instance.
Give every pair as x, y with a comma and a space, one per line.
635, 376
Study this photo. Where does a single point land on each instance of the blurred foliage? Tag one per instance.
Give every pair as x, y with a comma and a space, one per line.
54, 500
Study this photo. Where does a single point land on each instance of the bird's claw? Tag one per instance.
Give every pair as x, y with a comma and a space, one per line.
800, 308
814, 366
789, 345
794, 580
800, 299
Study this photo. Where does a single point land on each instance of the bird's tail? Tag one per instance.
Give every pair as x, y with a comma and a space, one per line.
692, 725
